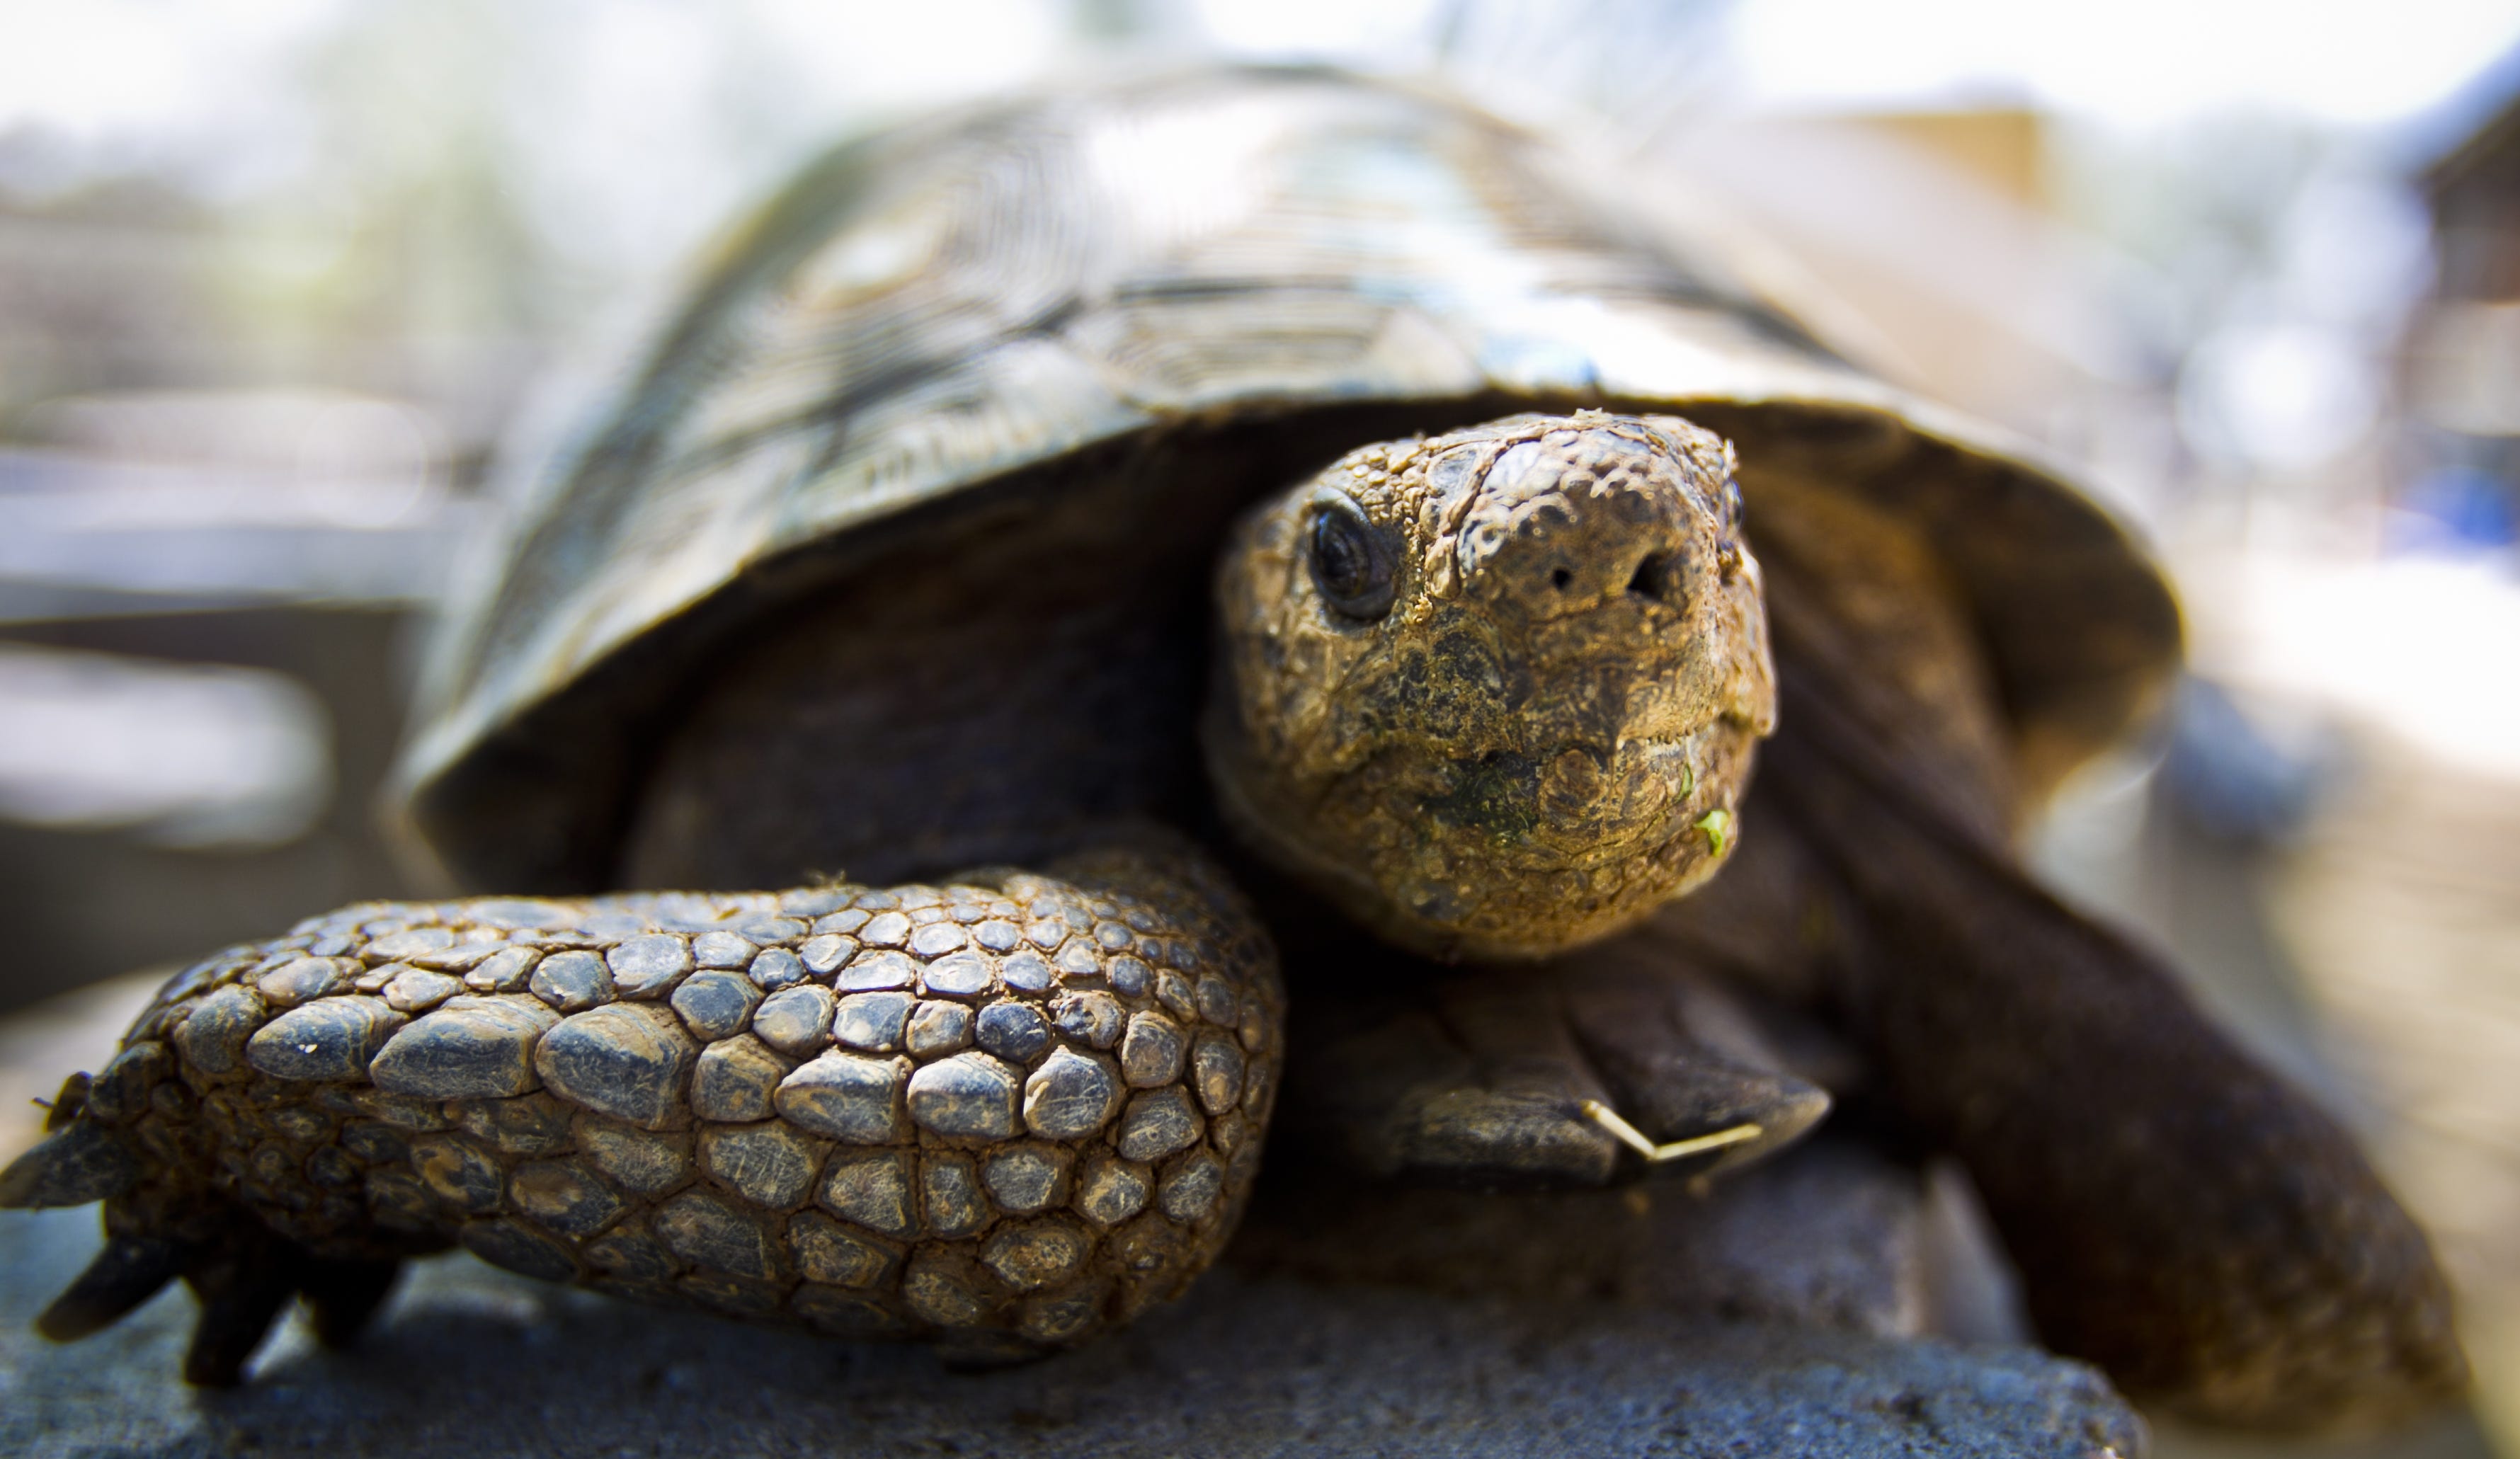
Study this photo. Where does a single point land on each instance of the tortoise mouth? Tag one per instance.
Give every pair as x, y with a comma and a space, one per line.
1575, 804
1502, 853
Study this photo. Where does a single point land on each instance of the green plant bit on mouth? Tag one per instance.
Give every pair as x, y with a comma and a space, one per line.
1718, 827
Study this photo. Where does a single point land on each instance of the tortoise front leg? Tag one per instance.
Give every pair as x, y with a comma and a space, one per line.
1000, 1114
1589, 1071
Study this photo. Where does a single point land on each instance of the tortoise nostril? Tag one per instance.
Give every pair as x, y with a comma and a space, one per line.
1559, 579
1647, 582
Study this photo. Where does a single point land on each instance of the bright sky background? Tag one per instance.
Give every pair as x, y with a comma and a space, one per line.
98, 68
2135, 62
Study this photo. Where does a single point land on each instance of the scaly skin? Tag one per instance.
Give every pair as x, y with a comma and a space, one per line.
1538, 733
1000, 1114
554, 1085
1495, 694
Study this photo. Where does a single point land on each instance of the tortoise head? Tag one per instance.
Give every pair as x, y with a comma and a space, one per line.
1495, 693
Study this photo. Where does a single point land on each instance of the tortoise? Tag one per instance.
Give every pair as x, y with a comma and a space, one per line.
1097, 551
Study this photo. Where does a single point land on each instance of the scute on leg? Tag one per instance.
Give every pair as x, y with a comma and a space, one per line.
702, 1110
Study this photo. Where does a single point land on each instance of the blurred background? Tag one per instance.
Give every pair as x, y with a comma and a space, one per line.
277, 276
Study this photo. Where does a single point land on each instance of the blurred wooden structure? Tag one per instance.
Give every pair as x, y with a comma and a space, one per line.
2463, 362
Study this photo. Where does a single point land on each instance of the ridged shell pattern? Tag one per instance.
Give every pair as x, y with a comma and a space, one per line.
953, 302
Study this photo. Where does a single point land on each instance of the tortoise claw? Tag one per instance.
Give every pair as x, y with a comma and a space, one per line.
1459, 1134
1565, 1076
342, 1296
241, 1297
1696, 1101
80, 1162
130, 1271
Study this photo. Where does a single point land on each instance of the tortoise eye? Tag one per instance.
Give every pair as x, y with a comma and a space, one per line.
1349, 562
1729, 561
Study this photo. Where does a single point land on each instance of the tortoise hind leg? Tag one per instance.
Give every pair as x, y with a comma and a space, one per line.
2178, 1215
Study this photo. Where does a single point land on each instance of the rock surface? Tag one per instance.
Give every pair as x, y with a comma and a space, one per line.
475, 1361
1830, 1234
1766, 1320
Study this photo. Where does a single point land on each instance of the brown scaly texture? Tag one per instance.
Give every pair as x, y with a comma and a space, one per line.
1000, 1114
1543, 736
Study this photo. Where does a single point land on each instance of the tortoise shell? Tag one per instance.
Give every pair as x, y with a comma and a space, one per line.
930, 318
